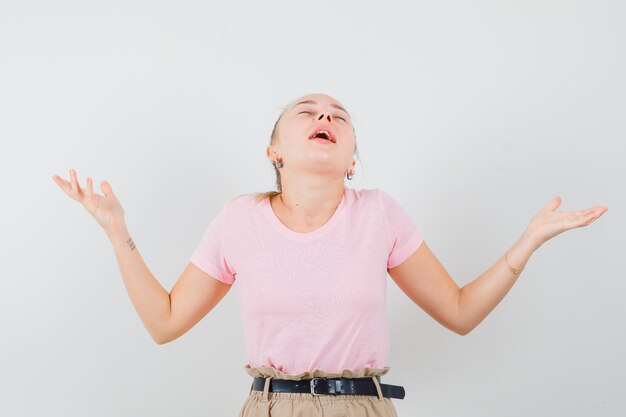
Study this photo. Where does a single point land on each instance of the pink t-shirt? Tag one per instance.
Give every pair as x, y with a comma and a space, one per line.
311, 300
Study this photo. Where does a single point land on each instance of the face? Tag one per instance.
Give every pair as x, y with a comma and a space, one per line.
302, 118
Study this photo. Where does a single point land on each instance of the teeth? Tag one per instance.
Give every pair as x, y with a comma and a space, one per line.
328, 137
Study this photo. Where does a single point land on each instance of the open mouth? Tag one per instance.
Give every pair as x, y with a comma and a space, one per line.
322, 134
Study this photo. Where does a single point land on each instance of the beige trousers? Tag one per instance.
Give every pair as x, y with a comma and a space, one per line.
300, 404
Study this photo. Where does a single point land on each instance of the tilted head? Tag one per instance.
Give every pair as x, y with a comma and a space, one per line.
313, 135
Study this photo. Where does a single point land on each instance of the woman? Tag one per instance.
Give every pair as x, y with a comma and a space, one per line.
311, 261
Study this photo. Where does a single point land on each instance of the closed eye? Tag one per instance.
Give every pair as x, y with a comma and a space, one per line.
336, 117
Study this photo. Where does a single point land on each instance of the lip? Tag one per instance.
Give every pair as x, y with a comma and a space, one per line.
330, 131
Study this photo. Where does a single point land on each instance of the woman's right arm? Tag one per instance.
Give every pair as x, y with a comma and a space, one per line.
151, 300
166, 316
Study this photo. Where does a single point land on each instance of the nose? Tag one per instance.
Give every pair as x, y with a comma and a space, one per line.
322, 115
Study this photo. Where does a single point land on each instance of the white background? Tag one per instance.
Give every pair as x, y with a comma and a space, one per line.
473, 115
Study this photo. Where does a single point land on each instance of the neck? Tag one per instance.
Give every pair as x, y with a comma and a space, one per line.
309, 204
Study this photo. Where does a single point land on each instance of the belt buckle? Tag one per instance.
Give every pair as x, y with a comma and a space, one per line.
312, 383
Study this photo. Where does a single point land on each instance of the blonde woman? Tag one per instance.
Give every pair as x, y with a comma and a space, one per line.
310, 261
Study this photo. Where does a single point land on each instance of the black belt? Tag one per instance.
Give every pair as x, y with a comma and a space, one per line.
333, 386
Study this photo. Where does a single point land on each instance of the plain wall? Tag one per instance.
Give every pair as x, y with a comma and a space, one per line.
473, 115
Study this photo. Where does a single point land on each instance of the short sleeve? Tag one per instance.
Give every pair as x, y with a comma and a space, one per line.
405, 236
209, 255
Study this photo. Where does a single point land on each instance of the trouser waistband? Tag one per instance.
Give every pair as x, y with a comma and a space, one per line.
331, 386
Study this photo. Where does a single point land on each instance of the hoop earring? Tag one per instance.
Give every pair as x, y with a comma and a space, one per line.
278, 164
349, 175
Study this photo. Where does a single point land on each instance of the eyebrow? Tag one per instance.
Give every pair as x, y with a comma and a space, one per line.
315, 102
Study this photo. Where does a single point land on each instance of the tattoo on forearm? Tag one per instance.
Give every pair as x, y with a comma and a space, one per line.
131, 243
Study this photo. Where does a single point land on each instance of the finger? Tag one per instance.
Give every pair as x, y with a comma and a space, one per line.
65, 185
81, 190
590, 220
581, 218
106, 189
89, 187
75, 186
590, 217
73, 182
580, 214
554, 203
67, 188
585, 212
599, 209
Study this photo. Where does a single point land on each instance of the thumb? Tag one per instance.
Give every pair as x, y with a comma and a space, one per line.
554, 203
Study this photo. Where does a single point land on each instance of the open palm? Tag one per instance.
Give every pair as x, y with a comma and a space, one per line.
106, 208
548, 223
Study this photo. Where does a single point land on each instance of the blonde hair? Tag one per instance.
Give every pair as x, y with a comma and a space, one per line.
273, 139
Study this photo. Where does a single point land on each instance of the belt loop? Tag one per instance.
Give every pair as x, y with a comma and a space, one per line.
380, 392
266, 389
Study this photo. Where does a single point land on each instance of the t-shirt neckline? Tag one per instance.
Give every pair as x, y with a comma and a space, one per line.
292, 234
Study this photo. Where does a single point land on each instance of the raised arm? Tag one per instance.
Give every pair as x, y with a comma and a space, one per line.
150, 299
165, 316
426, 282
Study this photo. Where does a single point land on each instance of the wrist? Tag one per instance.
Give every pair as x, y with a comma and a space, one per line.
519, 253
116, 229
529, 240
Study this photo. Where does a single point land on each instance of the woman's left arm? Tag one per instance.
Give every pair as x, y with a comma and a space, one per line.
427, 283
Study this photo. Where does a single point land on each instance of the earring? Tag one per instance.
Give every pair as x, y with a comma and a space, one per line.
278, 164
349, 175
